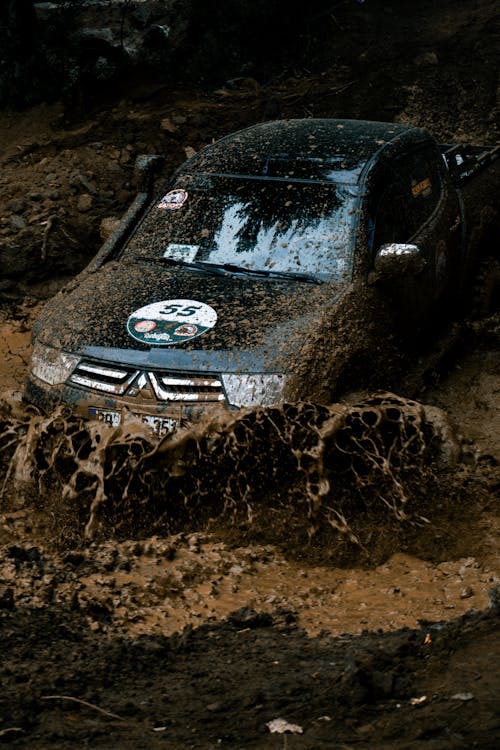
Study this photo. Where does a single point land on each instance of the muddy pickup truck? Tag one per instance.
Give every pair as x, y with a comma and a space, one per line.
266, 265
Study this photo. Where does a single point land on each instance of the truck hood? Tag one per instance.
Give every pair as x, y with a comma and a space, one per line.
260, 320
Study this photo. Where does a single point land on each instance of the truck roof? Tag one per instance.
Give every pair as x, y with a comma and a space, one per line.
326, 150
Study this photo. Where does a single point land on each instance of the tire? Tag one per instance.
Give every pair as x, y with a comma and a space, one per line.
486, 300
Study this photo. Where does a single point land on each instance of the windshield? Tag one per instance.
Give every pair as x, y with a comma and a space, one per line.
271, 225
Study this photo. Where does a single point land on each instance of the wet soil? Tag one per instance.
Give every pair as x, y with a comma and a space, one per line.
200, 635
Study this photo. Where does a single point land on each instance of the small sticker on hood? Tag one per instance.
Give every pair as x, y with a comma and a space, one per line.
171, 321
173, 199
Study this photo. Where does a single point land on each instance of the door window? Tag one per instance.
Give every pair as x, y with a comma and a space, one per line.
408, 198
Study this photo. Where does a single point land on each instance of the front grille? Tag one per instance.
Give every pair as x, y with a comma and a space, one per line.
166, 386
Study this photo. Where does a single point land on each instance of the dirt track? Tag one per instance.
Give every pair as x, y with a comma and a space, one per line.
200, 639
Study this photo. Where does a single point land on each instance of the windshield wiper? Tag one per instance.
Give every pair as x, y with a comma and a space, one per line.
223, 269
269, 272
198, 265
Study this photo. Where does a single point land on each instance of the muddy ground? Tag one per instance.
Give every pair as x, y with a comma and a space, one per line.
202, 637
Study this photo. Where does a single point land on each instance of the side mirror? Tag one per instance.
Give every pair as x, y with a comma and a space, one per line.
395, 259
146, 166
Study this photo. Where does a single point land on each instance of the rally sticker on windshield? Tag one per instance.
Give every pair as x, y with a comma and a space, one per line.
173, 199
172, 321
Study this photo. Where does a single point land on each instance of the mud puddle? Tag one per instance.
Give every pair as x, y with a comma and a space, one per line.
161, 586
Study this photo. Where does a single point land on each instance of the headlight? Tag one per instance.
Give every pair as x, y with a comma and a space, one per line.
253, 390
52, 365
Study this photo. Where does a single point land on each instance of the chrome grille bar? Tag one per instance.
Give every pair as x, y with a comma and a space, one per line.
101, 378
191, 388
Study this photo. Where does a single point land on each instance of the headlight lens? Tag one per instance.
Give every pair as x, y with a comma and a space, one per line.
52, 365
253, 390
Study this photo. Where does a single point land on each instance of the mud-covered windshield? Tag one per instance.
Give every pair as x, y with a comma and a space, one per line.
258, 224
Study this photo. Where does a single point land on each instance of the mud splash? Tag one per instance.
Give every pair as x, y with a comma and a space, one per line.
309, 474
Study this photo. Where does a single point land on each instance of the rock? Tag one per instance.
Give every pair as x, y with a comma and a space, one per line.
17, 222
281, 726
246, 617
84, 203
108, 225
79, 180
466, 593
468, 562
16, 205
168, 125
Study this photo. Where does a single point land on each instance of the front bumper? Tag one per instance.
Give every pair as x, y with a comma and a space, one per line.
91, 405
165, 399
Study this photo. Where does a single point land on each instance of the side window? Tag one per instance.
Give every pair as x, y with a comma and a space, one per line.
421, 180
389, 217
408, 195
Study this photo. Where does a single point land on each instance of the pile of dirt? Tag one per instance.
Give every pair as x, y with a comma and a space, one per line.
243, 682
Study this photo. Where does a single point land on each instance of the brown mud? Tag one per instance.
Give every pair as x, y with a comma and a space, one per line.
334, 566
180, 596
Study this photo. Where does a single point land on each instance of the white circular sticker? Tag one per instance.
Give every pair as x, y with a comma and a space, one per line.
173, 199
171, 321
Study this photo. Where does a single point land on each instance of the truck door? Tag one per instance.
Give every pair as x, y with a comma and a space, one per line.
414, 207
433, 217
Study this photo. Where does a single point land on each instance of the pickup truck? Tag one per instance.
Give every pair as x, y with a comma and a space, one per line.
267, 265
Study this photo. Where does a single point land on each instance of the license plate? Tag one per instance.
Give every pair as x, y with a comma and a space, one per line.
159, 425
